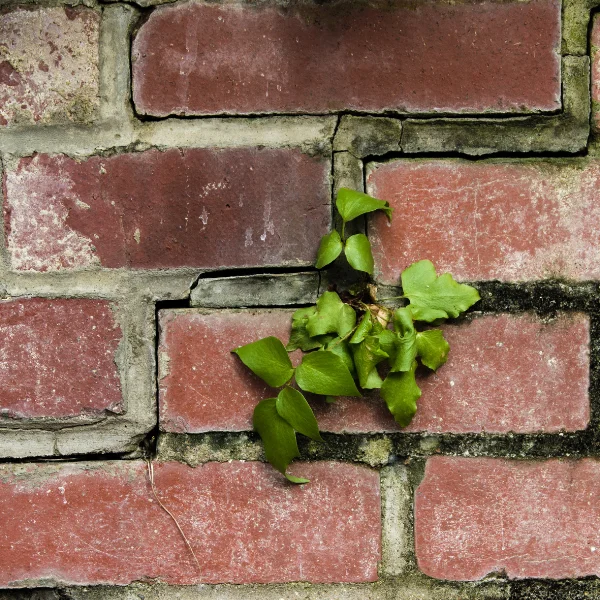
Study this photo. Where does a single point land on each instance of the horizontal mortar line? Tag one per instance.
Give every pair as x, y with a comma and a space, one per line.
351, 447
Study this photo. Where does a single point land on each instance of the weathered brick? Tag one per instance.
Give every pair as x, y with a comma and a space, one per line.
57, 358
475, 516
505, 373
195, 207
429, 56
48, 65
98, 523
202, 385
507, 220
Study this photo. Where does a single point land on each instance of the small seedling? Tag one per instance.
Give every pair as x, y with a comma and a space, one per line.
347, 339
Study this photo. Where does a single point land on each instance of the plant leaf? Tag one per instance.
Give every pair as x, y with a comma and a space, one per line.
433, 297
403, 320
404, 341
352, 204
293, 407
367, 355
341, 348
332, 316
299, 337
278, 436
268, 359
404, 353
363, 329
330, 248
358, 252
325, 373
400, 392
432, 348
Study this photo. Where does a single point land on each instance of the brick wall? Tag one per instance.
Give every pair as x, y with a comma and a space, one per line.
168, 169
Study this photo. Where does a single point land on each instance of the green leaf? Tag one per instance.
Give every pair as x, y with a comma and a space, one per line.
330, 248
330, 399
341, 348
404, 353
367, 355
332, 316
278, 436
358, 252
432, 348
400, 392
405, 341
387, 340
293, 407
363, 329
433, 297
403, 320
268, 359
325, 373
352, 204
299, 337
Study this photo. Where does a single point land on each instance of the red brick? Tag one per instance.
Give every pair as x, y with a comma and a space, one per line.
506, 220
475, 516
95, 523
429, 56
48, 65
202, 385
505, 373
57, 358
197, 208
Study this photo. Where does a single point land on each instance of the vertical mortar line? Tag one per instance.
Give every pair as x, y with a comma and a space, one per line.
4, 258
140, 362
396, 535
594, 374
115, 64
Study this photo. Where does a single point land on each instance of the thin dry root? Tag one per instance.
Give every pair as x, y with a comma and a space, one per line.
151, 477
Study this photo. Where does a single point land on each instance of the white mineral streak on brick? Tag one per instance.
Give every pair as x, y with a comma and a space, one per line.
48, 65
38, 237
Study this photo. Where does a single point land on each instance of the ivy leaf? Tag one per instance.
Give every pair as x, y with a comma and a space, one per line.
387, 340
299, 337
325, 373
293, 407
403, 320
278, 436
268, 359
404, 342
404, 353
330, 248
367, 355
332, 316
363, 329
358, 252
400, 392
433, 297
341, 348
432, 348
352, 204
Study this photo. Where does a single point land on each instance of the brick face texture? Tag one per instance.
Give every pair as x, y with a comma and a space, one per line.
506, 220
57, 358
245, 524
48, 65
177, 208
168, 169
505, 373
424, 57
529, 519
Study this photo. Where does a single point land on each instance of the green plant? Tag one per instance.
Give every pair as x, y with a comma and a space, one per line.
347, 339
